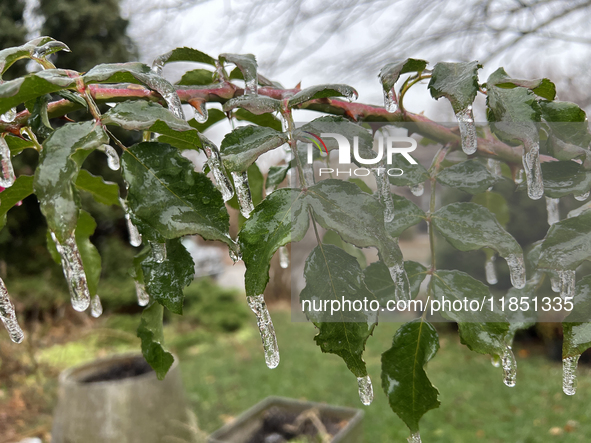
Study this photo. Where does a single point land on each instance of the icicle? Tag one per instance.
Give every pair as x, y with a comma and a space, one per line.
8, 316
142, 296
509, 367
555, 282
168, 93
158, 63
414, 438
390, 101
518, 177
96, 307
383, 188
243, 193
266, 329
417, 190
533, 170
74, 272
8, 177
495, 360
567, 283
215, 164
283, 257
135, 238
201, 114
400, 279
582, 197
40, 52
158, 251
365, 390
250, 84
9, 116
236, 254
552, 210
569, 374
112, 157
516, 270
467, 130
490, 270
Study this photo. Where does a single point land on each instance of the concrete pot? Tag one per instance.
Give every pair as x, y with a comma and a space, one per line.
246, 425
97, 405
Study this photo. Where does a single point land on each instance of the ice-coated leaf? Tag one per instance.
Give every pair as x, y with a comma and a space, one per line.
39, 120
567, 243
390, 73
404, 380
276, 175
152, 336
332, 238
196, 77
412, 176
495, 203
185, 54
406, 214
268, 120
469, 226
39, 47
576, 326
141, 115
278, 220
322, 91
103, 192
241, 147
458, 82
17, 144
378, 280
570, 136
168, 199
165, 280
247, 64
20, 189
57, 172
256, 104
542, 87
470, 176
565, 177
332, 274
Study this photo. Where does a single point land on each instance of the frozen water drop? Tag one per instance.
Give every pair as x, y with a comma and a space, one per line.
96, 307
283, 257
569, 374
516, 270
582, 197
467, 130
159, 62
552, 210
383, 187
7, 178
158, 251
9, 116
567, 283
266, 329
142, 295
243, 193
135, 238
168, 93
555, 283
518, 177
401, 283
417, 190
495, 360
365, 390
533, 170
8, 315
112, 157
215, 164
73, 271
201, 114
509, 367
490, 270
415, 437
390, 101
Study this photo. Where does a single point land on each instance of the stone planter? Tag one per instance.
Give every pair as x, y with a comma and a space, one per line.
267, 416
119, 399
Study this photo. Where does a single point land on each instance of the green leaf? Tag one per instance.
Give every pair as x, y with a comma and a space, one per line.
17, 144
152, 336
241, 147
470, 176
20, 189
333, 275
185, 54
333, 238
378, 280
168, 199
362, 185
542, 87
141, 115
563, 178
276, 175
196, 77
103, 192
404, 380
576, 326
322, 91
495, 203
390, 73
567, 244
407, 214
57, 172
413, 174
458, 82
39, 120
39, 47
165, 281
278, 220
267, 120
469, 226
256, 104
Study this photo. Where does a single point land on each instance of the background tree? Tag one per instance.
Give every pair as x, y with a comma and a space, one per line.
12, 31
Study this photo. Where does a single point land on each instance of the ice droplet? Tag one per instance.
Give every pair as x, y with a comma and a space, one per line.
516, 270
168, 93
533, 170
8, 315
414, 438
7, 179
383, 187
467, 130
417, 190
552, 210
495, 360
582, 197
567, 283
283, 257
365, 390
142, 295
112, 157
201, 114
96, 307
555, 283
509, 367
135, 238
74, 272
243, 193
266, 329
215, 164
518, 177
569, 375
400, 279
158, 251
490, 270
9, 116
390, 101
